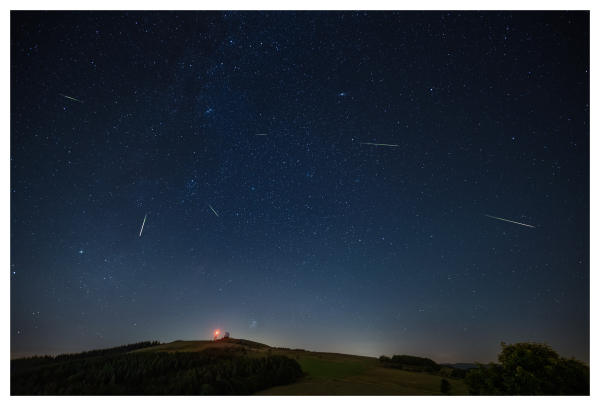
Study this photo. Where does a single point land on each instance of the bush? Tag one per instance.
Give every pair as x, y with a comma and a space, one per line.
530, 369
446, 387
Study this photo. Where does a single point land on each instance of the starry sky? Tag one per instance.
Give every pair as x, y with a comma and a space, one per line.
320, 180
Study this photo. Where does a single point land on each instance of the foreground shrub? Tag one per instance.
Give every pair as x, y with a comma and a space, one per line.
530, 369
446, 387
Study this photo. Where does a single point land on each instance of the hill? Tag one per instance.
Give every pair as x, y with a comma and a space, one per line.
216, 370
332, 373
227, 367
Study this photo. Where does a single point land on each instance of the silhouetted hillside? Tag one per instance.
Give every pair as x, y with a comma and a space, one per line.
214, 371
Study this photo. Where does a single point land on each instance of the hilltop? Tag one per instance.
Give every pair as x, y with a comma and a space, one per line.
200, 345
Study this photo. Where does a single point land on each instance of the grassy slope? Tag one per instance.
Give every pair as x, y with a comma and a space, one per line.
334, 374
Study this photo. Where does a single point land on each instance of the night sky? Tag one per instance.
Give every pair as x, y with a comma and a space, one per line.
245, 143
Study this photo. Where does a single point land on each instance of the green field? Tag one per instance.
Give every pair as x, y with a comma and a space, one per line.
334, 374
345, 375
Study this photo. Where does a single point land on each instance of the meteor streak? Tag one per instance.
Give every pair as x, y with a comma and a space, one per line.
385, 145
69, 97
213, 210
143, 224
510, 221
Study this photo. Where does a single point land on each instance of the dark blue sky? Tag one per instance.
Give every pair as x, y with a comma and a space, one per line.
318, 239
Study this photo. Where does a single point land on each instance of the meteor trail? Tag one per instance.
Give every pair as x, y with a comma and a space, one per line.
510, 221
143, 224
385, 145
213, 210
68, 97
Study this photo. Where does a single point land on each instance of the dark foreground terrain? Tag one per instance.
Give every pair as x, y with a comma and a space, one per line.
216, 370
240, 367
223, 367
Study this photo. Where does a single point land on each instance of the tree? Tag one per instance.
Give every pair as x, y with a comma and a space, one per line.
446, 387
530, 369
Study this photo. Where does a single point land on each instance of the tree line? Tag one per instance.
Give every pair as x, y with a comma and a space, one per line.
399, 360
29, 362
213, 371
